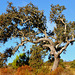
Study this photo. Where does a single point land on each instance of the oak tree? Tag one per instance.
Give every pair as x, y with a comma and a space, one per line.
29, 24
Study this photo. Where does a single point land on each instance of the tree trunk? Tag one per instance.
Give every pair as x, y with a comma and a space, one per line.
56, 62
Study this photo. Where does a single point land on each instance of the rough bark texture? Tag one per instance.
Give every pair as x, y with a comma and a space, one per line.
56, 63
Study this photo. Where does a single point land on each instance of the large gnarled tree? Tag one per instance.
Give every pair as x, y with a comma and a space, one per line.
29, 24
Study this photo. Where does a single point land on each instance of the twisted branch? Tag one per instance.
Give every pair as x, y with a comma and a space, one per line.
68, 42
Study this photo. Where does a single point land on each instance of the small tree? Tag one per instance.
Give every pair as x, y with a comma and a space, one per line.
3, 57
35, 60
20, 60
1, 60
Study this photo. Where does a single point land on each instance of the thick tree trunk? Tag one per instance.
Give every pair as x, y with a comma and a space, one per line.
56, 62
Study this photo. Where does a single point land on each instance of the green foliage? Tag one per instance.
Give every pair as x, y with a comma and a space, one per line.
27, 17
3, 56
61, 63
56, 12
63, 30
20, 60
72, 64
1, 61
35, 60
61, 60
9, 64
43, 70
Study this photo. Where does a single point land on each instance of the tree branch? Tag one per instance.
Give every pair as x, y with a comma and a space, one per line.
22, 20
68, 42
57, 45
53, 51
44, 39
52, 37
44, 32
63, 23
16, 48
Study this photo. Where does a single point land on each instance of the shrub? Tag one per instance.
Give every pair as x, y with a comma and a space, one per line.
20, 60
72, 64
43, 70
62, 65
6, 71
24, 70
58, 71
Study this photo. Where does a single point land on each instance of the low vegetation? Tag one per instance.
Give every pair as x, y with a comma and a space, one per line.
69, 69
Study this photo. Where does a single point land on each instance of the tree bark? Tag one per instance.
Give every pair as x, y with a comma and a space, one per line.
56, 62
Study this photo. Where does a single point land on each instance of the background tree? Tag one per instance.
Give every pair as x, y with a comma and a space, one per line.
27, 23
1, 60
4, 56
36, 60
20, 60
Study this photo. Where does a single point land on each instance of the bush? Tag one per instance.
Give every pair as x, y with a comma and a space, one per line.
58, 71
24, 70
61, 64
20, 60
72, 65
61, 60
43, 70
6, 71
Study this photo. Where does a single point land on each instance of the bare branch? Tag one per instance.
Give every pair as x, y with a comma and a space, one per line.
22, 20
40, 29
72, 37
47, 45
44, 39
63, 23
65, 26
57, 45
53, 51
68, 42
72, 33
16, 48
21, 32
44, 32
52, 37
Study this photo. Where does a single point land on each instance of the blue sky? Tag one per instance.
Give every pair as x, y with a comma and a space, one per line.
44, 5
